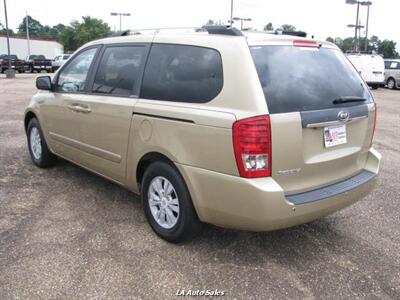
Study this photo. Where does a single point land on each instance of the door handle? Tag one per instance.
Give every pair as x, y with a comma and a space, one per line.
79, 108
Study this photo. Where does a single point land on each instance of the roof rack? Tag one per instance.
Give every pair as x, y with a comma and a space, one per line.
220, 29
121, 33
283, 32
211, 29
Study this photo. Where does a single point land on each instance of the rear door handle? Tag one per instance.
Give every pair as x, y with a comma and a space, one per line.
79, 108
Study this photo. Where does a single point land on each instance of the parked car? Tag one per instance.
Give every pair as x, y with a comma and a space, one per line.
240, 130
370, 66
38, 63
59, 60
392, 73
16, 64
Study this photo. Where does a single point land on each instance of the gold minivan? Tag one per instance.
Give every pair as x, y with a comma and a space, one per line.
238, 129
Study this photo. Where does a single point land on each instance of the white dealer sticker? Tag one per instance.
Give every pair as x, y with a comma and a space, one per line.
334, 136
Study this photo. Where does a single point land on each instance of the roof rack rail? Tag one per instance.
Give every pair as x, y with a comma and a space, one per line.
211, 29
283, 32
121, 33
220, 29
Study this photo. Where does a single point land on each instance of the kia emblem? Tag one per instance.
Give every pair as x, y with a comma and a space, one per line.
343, 115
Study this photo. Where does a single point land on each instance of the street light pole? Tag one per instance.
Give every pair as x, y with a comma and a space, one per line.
366, 30
231, 19
27, 34
356, 28
120, 18
241, 21
10, 72
368, 4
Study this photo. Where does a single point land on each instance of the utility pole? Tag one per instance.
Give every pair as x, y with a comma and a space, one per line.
10, 73
27, 34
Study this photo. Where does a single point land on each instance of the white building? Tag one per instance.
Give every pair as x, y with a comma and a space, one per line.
19, 47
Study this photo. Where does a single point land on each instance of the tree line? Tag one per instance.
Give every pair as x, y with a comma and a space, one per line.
71, 36
77, 33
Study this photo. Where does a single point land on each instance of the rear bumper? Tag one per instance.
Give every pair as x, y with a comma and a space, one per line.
42, 67
260, 204
375, 83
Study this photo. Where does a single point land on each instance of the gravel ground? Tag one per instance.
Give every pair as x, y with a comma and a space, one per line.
66, 233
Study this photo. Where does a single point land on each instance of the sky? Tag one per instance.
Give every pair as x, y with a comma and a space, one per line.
321, 18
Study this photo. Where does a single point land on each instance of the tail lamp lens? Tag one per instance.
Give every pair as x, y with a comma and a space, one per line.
252, 146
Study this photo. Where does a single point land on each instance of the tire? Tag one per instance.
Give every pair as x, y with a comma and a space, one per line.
375, 87
42, 158
186, 224
391, 84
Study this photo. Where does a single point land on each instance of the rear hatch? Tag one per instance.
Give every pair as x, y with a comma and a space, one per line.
321, 114
370, 67
40, 60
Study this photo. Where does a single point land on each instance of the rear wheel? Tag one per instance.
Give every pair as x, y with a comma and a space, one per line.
40, 153
167, 203
391, 83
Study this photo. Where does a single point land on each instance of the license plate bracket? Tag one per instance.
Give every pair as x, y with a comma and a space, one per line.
335, 135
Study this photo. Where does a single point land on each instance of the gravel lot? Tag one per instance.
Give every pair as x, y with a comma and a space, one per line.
68, 234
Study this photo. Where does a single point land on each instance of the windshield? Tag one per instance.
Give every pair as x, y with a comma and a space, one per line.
300, 79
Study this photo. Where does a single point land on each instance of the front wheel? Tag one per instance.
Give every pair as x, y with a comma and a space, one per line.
167, 203
40, 153
391, 83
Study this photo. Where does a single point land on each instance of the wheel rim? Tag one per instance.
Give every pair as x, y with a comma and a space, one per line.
163, 202
391, 84
35, 143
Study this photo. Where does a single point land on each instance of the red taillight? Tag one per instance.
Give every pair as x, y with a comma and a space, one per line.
252, 146
305, 43
375, 112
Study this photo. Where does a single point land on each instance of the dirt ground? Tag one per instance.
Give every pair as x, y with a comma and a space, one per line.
66, 233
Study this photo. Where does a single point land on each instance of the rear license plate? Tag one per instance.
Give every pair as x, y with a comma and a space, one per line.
334, 136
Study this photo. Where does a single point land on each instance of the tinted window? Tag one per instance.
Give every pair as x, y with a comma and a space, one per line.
73, 77
119, 70
182, 73
300, 79
387, 64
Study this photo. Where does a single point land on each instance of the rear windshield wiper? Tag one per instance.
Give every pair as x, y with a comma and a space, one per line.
348, 99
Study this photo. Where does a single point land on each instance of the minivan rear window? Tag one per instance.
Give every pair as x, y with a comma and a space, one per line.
301, 79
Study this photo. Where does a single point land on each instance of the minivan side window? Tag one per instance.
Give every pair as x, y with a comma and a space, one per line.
119, 70
182, 73
73, 78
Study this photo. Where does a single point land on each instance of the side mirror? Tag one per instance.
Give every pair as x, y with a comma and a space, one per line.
43, 83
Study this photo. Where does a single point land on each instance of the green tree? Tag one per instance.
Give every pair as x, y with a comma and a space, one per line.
269, 26
330, 39
35, 27
56, 31
79, 33
288, 27
388, 49
210, 22
3, 30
